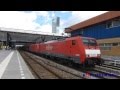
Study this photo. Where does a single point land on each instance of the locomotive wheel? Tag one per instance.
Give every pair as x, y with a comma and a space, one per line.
89, 63
70, 63
100, 62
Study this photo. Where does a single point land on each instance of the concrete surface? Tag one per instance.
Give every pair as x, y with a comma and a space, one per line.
12, 66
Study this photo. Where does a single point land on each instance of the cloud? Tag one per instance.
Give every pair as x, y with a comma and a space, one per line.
24, 20
61, 28
27, 19
65, 11
19, 20
44, 14
41, 13
45, 28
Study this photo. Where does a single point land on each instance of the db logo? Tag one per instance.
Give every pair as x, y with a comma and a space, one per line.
49, 47
87, 74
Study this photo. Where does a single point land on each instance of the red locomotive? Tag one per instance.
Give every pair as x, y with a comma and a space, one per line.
81, 50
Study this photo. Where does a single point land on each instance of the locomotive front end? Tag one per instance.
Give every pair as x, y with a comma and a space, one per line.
92, 52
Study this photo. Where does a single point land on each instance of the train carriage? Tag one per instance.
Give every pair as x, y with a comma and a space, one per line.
81, 50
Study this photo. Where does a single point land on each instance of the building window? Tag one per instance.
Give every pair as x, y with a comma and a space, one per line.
116, 22
113, 23
105, 48
81, 32
101, 44
119, 44
109, 25
108, 46
115, 44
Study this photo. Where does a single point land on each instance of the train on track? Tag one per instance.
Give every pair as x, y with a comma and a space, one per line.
80, 50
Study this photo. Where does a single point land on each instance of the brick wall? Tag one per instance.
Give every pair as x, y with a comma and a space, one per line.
110, 40
115, 50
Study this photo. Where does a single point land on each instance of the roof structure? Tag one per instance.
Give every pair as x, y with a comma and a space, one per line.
95, 20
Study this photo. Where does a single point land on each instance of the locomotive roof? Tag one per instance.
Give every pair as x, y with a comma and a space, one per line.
62, 39
88, 37
50, 41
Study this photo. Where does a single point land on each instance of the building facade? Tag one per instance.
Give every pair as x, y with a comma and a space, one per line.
55, 24
105, 28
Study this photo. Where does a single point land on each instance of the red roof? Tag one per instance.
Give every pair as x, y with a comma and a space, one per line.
98, 19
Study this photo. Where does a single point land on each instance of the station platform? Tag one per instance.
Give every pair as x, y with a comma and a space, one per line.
12, 66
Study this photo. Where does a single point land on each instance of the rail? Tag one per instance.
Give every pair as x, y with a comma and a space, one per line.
71, 71
112, 62
97, 73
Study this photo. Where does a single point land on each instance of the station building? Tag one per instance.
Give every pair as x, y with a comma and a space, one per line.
105, 28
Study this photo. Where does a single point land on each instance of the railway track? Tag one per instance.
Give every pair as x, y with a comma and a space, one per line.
48, 71
38, 70
111, 66
103, 72
113, 72
66, 72
97, 72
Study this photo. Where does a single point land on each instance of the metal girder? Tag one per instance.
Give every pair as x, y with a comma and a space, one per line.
24, 37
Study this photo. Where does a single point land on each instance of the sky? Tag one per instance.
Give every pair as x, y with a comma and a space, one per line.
41, 21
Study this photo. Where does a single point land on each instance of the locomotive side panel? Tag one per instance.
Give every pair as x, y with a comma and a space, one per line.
72, 50
78, 49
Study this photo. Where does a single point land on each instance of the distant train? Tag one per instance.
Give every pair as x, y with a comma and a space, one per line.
80, 50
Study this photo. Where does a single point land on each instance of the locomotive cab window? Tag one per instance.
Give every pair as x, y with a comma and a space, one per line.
73, 42
89, 42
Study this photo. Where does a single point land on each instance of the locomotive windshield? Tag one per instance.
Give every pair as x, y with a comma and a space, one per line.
89, 42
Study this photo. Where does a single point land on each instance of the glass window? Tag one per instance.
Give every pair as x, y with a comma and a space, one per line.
108, 44
73, 42
81, 32
116, 22
90, 42
86, 41
101, 44
105, 48
113, 23
119, 44
109, 25
115, 44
